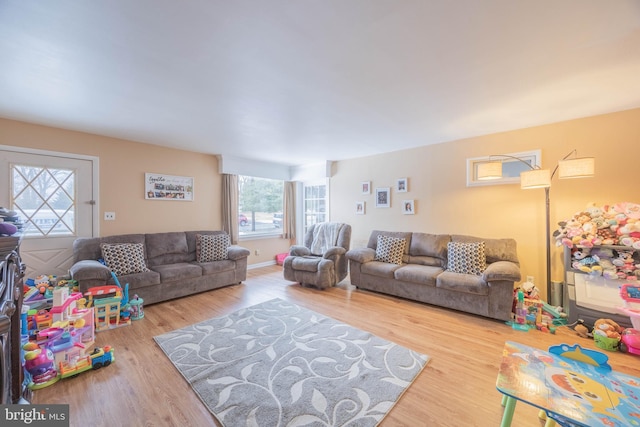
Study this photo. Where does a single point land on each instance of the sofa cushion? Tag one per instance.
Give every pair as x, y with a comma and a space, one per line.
175, 272
215, 267
422, 274
427, 260
431, 245
380, 269
468, 283
89, 247
390, 249
140, 280
166, 248
466, 258
495, 249
212, 247
373, 238
124, 258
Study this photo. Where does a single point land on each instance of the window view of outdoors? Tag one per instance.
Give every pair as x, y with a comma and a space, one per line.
260, 205
44, 199
314, 205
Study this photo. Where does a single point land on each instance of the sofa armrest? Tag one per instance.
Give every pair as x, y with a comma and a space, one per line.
235, 252
89, 270
297, 250
361, 255
334, 252
502, 270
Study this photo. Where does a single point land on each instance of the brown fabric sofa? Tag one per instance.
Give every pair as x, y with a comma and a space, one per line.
423, 274
171, 260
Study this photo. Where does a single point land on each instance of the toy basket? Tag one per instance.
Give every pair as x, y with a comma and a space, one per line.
605, 343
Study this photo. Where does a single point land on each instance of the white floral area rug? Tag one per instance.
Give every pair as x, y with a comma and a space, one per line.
277, 364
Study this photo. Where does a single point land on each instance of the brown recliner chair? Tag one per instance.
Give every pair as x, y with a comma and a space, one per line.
321, 262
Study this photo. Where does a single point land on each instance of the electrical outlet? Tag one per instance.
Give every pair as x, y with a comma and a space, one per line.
109, 216
257, 252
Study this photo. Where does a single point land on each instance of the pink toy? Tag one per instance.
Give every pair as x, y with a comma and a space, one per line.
630, 340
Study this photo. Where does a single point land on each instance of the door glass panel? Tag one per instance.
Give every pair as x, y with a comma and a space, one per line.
45, 198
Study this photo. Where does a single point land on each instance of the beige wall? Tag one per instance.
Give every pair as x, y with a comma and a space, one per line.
122, 167
444, 204
437, 182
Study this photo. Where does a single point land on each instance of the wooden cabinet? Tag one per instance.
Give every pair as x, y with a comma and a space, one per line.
11, 293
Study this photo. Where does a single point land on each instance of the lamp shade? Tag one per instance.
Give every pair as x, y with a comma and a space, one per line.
576, 168
489, 170
535, 178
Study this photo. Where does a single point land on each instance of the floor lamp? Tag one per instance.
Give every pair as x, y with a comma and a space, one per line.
536, 177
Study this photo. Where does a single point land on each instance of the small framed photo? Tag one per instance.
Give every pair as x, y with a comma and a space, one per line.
365, 187
408, 207
402, 186
383, 197
360, 206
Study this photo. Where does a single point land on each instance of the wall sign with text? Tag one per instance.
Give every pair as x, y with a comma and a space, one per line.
168, 187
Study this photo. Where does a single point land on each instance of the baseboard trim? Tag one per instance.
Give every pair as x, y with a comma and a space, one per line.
261, 264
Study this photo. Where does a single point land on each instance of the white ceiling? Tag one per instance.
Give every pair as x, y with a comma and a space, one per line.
300, 81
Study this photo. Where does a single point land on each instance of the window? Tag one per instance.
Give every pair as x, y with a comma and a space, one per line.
512, 165
315, 208
260, 206
45, 198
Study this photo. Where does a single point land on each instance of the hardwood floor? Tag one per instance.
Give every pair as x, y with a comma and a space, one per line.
457, 388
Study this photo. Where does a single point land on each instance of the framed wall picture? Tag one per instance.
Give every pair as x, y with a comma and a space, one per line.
365, 187
383, 197
168, 187
408, 207
402, 186
360, 208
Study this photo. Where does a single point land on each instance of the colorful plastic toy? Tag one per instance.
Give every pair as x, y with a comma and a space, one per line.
39, 364
97, 359
630, 339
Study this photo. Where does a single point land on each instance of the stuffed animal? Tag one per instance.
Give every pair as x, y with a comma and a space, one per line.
583, 260
606, 267
582, 330
625, 264
530, 290
607, 328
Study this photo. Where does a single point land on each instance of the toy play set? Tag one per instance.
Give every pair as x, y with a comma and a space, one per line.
531, 312
59, 325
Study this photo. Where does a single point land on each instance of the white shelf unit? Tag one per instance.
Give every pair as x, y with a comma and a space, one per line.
593, 297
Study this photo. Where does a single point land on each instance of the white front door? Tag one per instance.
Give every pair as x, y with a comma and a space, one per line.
52, 194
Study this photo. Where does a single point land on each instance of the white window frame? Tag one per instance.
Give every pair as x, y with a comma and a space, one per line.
277, 232
510, 173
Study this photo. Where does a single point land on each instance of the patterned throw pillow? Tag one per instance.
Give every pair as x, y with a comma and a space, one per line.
124, 258
390, 249
467, 258
212, 247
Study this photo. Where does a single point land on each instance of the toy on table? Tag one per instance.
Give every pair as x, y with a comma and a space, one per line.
630, 339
